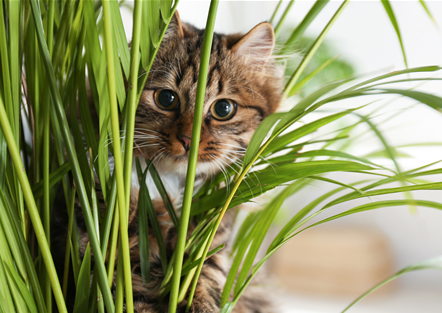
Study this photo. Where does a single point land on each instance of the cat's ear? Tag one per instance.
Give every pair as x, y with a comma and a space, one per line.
257, 45
175, 29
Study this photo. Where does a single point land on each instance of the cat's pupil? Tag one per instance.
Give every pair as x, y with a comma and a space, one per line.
223, 108
166, 98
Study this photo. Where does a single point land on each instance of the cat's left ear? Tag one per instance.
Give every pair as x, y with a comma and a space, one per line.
257, 45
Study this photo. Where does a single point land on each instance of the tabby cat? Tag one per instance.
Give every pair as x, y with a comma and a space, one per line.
244, 85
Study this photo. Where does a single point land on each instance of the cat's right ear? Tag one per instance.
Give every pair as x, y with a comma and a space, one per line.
175, 29
257, 45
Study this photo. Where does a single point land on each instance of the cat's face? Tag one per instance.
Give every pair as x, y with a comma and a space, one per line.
243, 87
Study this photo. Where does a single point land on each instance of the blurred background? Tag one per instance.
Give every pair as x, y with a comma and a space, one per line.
325, 268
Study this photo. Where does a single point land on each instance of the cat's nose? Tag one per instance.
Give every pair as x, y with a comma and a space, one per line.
186, 142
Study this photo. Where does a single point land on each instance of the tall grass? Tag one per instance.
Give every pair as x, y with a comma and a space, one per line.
52, 50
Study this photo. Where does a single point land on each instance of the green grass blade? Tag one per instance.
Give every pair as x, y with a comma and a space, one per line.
313, 74
190, 266
191, 167
427, 10
27, 259
422, 69
162, 190
432, 101
283, 17
24, 291
297, 74
154, 20
378, 205
165, 9
145, 41
7, 303
339, 154
378, 192
391, 15
262, 227
274, 12
259, 135
150, 210
118, 170
434, 263
143, 230
297, 33
55, 177
132, 105
84, 277
120, 36
302, 131
15, 61
290, 226
6, 74
69, 239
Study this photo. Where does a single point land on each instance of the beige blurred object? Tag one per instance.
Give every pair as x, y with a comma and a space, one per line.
334, 261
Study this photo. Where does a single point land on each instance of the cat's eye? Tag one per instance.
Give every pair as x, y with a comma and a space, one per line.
223, 109
166, 99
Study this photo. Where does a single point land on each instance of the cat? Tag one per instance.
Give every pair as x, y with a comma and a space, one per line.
244, 85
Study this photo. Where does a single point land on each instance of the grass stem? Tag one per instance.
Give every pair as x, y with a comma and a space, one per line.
193, 155
118, 170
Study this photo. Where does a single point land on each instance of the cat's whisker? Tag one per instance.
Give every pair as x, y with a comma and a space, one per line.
273, 165
146, 130
221, 168
228, 165
111, 141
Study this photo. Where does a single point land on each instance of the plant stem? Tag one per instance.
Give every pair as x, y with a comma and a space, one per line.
274, 12
284, 15
118, 171
132, 105
193, 155
47, 157
313, 50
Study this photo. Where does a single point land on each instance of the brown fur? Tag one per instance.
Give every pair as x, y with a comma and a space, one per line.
242, 70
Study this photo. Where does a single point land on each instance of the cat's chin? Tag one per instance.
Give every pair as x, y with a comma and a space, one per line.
178, 166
